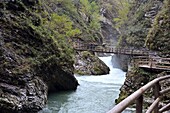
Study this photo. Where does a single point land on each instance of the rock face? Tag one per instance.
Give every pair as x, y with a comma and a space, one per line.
160, 28
121, 62
140, 20
88, 64
31, 61
107, 13
135, 79
147, 26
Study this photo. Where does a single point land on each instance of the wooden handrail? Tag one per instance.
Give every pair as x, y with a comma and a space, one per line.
130, 99
152, 63
84, 47
153, 105
165, 108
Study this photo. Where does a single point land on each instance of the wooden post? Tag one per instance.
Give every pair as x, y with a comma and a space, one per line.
157, 94
139, 104
132, 52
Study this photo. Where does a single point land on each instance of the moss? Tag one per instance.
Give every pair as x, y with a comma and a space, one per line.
97, 70
136, 28
33, 39
122, 96
79, 72
86, 54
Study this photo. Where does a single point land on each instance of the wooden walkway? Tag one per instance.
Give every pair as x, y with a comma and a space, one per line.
154, 63
141, 58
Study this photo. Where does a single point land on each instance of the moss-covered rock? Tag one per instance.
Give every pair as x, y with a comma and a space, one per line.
158, 37
140, 18
88, 64
33, 60
147, 26
134, 80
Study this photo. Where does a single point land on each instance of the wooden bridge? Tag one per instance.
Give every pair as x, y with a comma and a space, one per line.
137, 97
100, 49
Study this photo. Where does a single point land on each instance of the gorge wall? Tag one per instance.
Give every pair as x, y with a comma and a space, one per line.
36, 53
147, 27
32, 62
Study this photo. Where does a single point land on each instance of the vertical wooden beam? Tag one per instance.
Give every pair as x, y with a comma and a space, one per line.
139, 104
157, 88
132, 52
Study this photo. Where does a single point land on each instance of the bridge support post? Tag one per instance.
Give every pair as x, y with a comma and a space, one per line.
157, 88
139, 104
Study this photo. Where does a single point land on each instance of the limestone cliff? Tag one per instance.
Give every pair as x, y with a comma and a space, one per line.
32, 61
147, 26
158, 37
140, 19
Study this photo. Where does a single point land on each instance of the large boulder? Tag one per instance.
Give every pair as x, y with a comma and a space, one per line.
88, 64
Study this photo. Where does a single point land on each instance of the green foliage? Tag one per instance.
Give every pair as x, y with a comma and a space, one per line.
79, 72
83, 16
158, 37
123, 10
91, 11
63, 26
136, 28
85, 7
68, 6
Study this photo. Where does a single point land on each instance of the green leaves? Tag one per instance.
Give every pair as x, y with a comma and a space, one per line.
62, 26
123, 8
73, 18
91, 11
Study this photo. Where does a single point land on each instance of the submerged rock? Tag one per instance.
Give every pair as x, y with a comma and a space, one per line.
88, 64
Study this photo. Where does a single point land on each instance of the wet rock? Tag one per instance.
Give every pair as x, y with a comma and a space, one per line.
88, 64
121, 62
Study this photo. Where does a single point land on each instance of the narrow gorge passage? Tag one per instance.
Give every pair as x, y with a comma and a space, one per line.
96, 94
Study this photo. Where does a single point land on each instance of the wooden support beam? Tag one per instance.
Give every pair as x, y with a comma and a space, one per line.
157, 89
139, 104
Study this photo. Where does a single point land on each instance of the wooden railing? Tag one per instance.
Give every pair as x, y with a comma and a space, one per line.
138, 97
125, 51
152, 62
